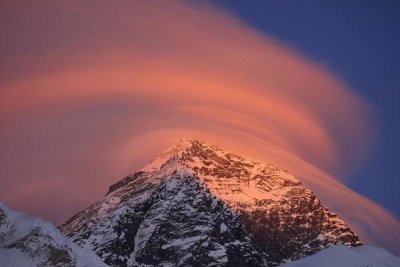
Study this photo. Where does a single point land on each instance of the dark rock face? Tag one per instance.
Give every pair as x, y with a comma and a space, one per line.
195, 229
124, 181
180, 224
286, 236
198, 205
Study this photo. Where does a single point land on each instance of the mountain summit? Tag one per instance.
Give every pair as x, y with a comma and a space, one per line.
199, 205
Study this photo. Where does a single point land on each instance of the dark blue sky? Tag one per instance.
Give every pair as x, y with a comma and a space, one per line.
360, 42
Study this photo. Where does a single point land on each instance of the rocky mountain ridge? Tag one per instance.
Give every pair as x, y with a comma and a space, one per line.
199, 205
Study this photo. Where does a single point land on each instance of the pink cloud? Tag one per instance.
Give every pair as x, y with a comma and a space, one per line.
90, 91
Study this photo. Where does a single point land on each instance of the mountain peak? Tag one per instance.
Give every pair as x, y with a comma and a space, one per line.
183, 145
196, 198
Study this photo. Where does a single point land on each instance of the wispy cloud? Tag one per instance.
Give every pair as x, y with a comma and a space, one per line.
88, 91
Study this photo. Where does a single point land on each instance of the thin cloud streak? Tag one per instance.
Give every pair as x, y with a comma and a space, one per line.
90, 91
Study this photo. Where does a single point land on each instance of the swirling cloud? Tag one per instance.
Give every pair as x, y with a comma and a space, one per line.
90, 91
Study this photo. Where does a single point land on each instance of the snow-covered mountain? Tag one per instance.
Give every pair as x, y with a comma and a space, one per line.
341, 256
29, 242
199, 205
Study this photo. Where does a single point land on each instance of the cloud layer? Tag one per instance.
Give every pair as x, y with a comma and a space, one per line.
90, 91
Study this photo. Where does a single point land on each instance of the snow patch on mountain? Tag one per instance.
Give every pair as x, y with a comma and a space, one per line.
339, 255
29, 241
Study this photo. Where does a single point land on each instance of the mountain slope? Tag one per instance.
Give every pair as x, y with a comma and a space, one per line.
28, 241
363, 256
198, 203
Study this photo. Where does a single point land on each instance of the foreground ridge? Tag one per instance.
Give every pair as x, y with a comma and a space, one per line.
28, 241
199, 204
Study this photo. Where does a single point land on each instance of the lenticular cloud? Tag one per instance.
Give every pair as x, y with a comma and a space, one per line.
122, 81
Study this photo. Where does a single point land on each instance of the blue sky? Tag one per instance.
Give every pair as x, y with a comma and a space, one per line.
360, 42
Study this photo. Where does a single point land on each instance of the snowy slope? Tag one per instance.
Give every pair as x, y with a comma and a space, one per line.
363, 256
28, 241
179, 223
197, 203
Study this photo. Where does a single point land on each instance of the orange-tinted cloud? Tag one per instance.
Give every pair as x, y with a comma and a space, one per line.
89, 91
